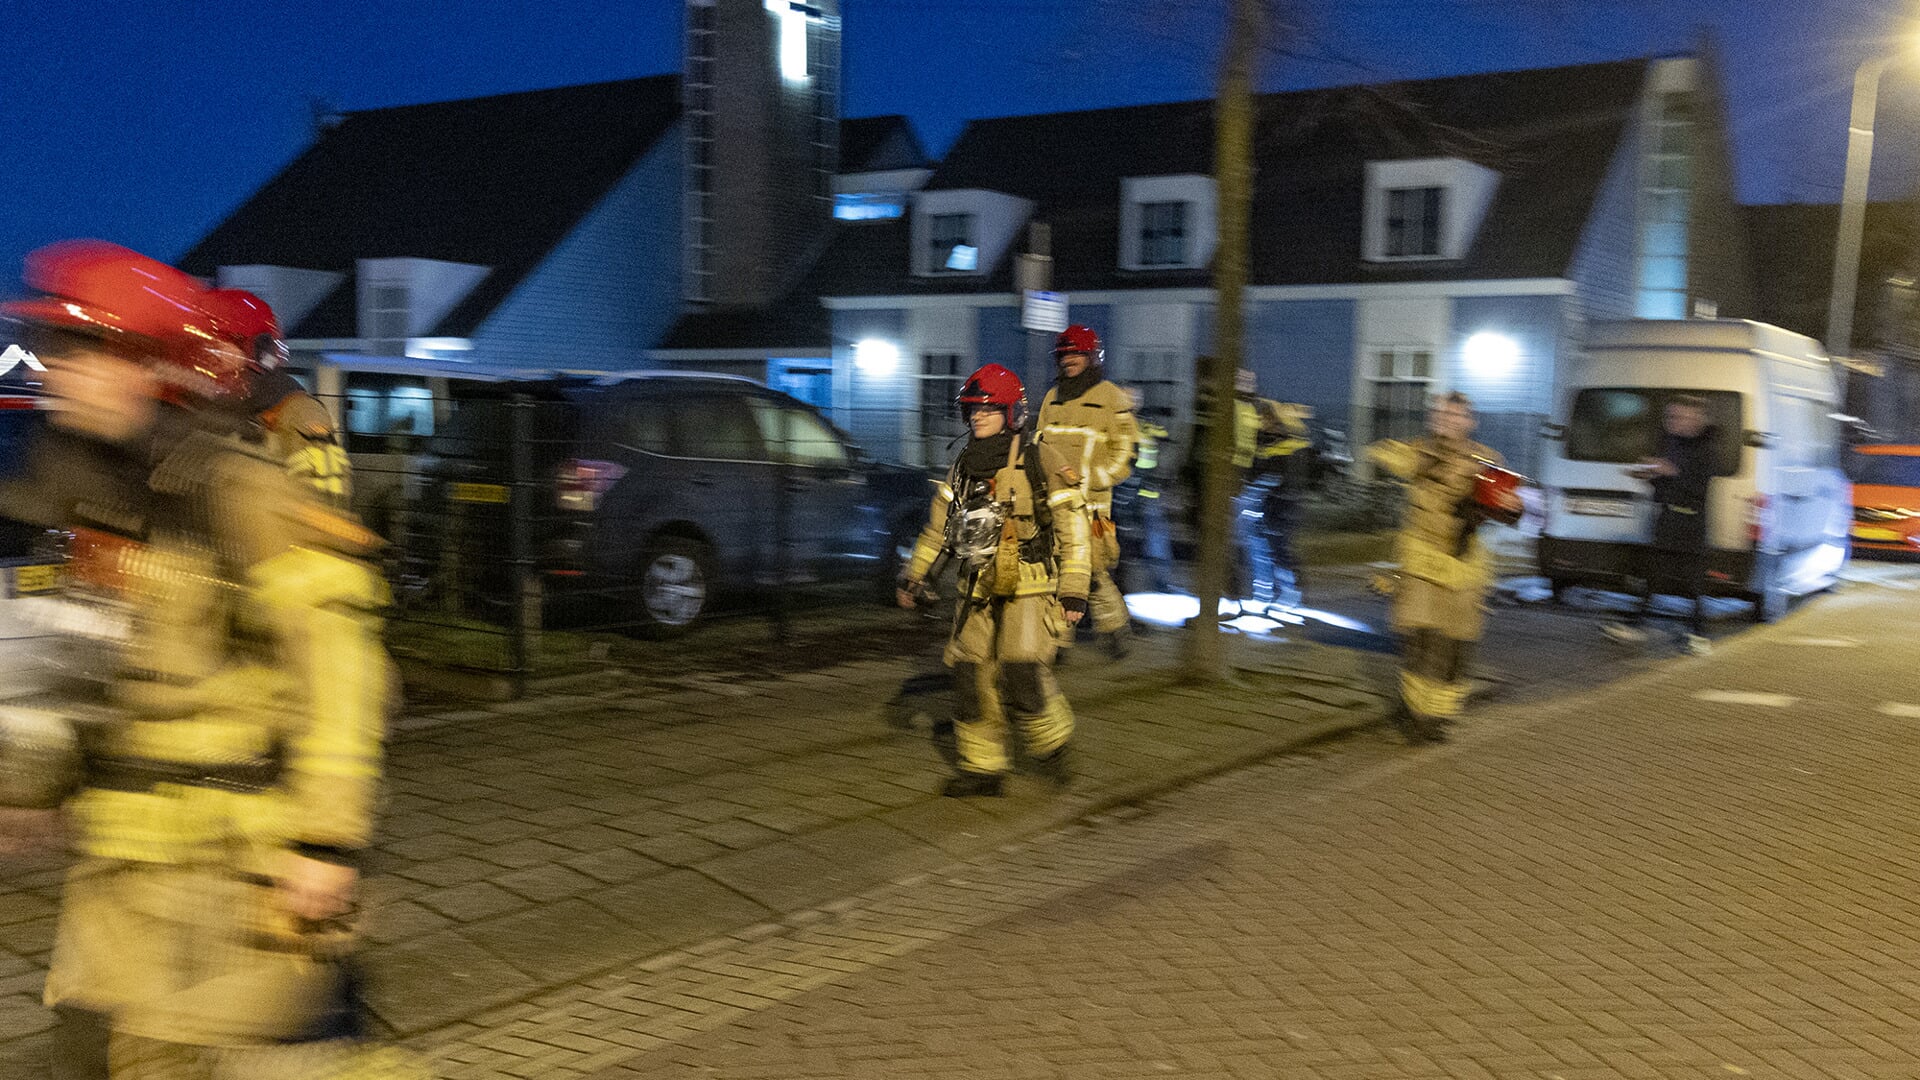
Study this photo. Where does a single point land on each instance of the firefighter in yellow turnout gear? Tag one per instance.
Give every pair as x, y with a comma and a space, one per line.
1012, 520
1089, 421
223, 788
1439, 608
296, 428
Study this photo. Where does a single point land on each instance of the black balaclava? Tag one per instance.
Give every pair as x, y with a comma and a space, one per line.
984, 457
1072, 387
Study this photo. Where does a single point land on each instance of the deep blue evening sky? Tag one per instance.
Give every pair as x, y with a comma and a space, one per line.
145, 122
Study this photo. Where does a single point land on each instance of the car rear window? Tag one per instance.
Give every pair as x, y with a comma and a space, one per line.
1889, 470
1622, 424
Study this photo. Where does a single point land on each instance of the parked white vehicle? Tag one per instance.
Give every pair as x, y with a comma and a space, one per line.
1780, 506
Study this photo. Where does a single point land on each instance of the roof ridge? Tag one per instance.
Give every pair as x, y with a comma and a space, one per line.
1301, 92
535, 92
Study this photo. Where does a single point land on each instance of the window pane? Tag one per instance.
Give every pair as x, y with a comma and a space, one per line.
1667, 206
795, 436
812, 443
1430, 222
1666, 239
1654, 304
1623, 425
1675, 139
649, 426
719, 427
1422, 365
1663, 272
1383, 364
1670, 172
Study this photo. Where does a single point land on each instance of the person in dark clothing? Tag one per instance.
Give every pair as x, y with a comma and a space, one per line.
1676, 559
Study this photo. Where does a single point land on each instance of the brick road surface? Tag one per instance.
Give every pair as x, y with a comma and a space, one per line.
535, 845
532, 844
1706, 870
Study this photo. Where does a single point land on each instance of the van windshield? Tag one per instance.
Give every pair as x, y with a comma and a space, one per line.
1890, 470
1622, 424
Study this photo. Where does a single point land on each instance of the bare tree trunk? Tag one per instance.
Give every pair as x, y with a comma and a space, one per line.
1205, 653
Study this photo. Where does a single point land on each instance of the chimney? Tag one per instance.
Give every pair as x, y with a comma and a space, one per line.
761, 99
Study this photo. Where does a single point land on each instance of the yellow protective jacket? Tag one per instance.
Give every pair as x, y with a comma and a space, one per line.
300, 432
1146, 460
1066, 574
254, 688
1442, 582
1095, 434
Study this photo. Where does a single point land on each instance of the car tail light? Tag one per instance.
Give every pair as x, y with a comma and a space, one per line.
1756, 518
582, 482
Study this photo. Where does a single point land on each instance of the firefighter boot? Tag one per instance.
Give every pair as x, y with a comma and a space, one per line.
968, 785
1055, 768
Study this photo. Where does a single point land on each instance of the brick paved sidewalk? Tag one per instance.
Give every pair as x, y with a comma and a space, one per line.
538, 843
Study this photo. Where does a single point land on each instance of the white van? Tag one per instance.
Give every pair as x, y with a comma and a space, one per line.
1779, 508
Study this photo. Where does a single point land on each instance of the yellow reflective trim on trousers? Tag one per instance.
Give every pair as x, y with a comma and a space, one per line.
1431, 697
1050, 730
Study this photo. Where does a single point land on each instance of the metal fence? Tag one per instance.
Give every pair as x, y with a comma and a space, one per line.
524, 511
528, 512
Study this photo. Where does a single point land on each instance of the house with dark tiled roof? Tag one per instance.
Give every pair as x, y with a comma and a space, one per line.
1406, 238
577, 228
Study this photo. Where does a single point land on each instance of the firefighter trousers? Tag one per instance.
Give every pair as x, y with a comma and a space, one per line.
1001, 654
1433, 674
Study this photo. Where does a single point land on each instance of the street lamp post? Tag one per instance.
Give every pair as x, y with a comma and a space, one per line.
1853, 207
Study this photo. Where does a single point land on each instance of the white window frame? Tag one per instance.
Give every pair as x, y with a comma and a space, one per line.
942, 373
1395, 370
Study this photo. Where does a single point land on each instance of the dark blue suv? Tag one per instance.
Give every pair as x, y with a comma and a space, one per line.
660, 492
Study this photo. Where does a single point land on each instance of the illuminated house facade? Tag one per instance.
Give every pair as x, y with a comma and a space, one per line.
1406, 238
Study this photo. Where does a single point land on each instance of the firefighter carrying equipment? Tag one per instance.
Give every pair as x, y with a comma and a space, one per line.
1444, 569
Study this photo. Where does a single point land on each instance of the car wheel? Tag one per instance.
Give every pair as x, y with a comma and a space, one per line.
676, 586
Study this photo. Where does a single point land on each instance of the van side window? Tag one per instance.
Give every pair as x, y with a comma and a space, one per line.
1624, 424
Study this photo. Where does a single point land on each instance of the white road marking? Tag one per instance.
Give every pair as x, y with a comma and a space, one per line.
1746, 697
1900, 709
1823, 642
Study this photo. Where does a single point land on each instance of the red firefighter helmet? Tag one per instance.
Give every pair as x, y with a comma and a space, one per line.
995, 385
1490, 484
1080, 339
248, 321
138, 305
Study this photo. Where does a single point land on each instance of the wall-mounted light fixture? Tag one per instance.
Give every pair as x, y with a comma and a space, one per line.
876, 357
1488, 354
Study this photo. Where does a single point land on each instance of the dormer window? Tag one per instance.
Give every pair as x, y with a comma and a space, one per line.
1424, 208
1163, 233
1166, 222
958, 231
1413, 222
951, 245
